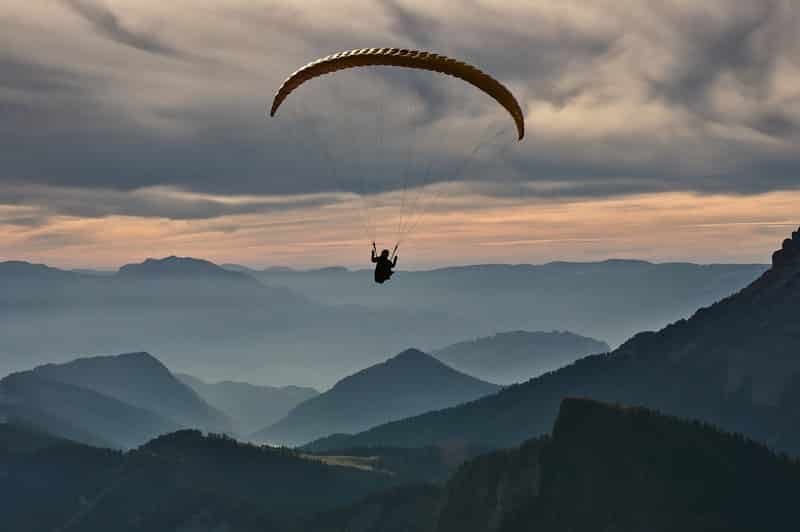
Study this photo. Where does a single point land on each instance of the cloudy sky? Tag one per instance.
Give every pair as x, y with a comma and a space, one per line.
658, 130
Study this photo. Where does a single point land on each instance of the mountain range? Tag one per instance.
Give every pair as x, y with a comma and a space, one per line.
600, 467
409, 383
735, 363
198, 317
610, 300
312, 327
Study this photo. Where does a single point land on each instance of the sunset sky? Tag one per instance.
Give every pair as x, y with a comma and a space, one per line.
666, 131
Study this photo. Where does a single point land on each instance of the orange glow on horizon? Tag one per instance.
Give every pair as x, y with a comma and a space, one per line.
467, 229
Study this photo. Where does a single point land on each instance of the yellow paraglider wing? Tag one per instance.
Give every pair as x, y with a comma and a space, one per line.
408, 59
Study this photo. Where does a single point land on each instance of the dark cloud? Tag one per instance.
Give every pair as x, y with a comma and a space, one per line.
536, 56
57, 239
108, 24
30, 77
28, 221
576, 190
776, 124
96, 203
420, 29
746, 46
80, 128
711, 47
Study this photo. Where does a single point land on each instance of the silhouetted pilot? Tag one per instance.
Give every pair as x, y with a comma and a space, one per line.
383, 265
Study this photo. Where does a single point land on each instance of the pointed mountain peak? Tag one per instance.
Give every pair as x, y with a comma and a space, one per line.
141, 357
409, 366
411, 356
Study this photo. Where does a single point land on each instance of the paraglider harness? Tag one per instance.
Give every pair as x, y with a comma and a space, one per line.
383, 267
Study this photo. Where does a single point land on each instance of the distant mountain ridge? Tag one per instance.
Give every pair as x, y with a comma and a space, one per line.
172, 266
516, 356
250, 406
170, 277
179, 267
409, 383
17, 270
331, 320
735, 364
611, 299
191, 312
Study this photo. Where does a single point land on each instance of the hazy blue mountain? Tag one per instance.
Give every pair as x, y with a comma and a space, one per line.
17, 271
181, 268
154, 283
611, 300
239, 268
735, 364
77, 413
249, 406
92, 271
201, 318
27, 288
409, 383
180, 481
140, 380
516, 356
311, 327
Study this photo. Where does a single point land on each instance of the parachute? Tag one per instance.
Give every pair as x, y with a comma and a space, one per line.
416, 185
409, 59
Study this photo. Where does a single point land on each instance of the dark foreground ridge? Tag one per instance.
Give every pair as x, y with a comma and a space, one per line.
604, 467
180, 481
612, 468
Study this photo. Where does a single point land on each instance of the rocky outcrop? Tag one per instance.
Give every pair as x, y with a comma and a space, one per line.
789, 253
608, 467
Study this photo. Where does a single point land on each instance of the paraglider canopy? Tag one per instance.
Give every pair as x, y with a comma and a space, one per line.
395, 185
400, 57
